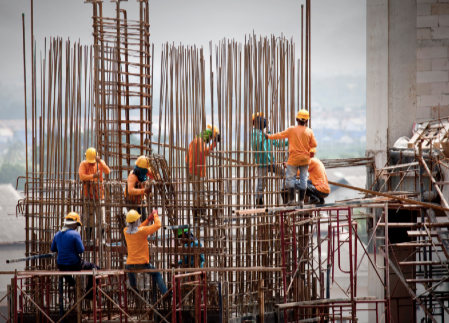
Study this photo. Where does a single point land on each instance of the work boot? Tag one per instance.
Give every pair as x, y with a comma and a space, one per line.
313, 200
259, 201
302, 195
321, 200
284, 196
291, 197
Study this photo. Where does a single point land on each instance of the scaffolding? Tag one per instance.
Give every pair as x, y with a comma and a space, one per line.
258, 260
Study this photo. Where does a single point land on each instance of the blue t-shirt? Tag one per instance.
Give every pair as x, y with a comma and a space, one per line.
68, 245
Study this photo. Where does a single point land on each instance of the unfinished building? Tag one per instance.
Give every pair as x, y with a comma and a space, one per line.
269, 264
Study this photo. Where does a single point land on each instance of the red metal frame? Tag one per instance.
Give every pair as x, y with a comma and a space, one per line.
201, 296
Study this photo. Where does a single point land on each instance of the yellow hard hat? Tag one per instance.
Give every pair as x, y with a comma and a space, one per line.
143, 162
91, 153
303, 114
312, 150
73, 218
257, 115
132, 216
216, 132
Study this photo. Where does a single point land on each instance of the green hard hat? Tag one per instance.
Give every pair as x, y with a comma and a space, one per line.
181, 231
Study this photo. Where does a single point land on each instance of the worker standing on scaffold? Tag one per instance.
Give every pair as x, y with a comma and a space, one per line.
136, 235
263, 157
135, 190
90, 172
196, 164
67, 243
301, 140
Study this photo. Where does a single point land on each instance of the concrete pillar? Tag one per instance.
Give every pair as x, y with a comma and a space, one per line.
390, 74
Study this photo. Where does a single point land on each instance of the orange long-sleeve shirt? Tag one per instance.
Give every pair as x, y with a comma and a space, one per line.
136, 193
138, 252
300, 141
317, 174
86, 173
197, 156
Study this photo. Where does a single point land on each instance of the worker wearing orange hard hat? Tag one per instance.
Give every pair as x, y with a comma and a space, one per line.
196, 164
67, 243
91, 173
263, 156
317, 184
301, 140
135, 190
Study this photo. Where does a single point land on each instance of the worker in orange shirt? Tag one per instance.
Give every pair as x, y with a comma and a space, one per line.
91, 173
300, 141
317, 183
135, 190
196, 163
136, 236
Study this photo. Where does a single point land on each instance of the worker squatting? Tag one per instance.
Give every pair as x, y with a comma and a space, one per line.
301, 145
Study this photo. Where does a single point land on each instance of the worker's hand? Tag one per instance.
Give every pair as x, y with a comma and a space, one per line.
96, 175
266, 136
147, 190
97, 159
217, 138
284, 164
173, 265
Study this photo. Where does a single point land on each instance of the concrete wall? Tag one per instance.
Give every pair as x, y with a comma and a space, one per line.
432, 50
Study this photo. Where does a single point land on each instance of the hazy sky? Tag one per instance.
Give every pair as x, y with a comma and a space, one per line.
338, 30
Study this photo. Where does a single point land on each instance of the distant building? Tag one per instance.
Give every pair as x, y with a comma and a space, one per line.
12, 234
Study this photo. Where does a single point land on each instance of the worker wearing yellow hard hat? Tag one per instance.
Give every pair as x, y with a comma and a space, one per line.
91, 173
263, 156
196, 164
136, 236
301, 140
67, 243
317, 184
135, 190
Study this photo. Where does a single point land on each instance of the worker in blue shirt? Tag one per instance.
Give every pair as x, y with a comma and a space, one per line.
263, 156
67, 243
183, 239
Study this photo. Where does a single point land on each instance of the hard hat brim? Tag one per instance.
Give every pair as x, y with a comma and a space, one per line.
69, 222
91, 161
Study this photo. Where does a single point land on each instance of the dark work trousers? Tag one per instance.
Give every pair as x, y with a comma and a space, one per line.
81, 265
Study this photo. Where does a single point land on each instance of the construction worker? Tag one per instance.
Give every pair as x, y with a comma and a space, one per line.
136, 235
90, 172
317, 183
301, 140
183, 240
196, 163
67, 243
263, 156
136, 185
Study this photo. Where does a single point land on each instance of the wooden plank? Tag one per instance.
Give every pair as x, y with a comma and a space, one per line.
417, 134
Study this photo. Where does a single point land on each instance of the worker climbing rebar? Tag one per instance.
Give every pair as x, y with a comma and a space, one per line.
263, 156
301, 140
196, 165
91, 173
136, 235
188, 240
67, 243
135, 190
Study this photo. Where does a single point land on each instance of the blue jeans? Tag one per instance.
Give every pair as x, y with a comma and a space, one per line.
290, 181
311, 190
156, 276
262, 171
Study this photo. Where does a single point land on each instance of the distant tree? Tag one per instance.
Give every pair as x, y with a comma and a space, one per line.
9, 174
15, 151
